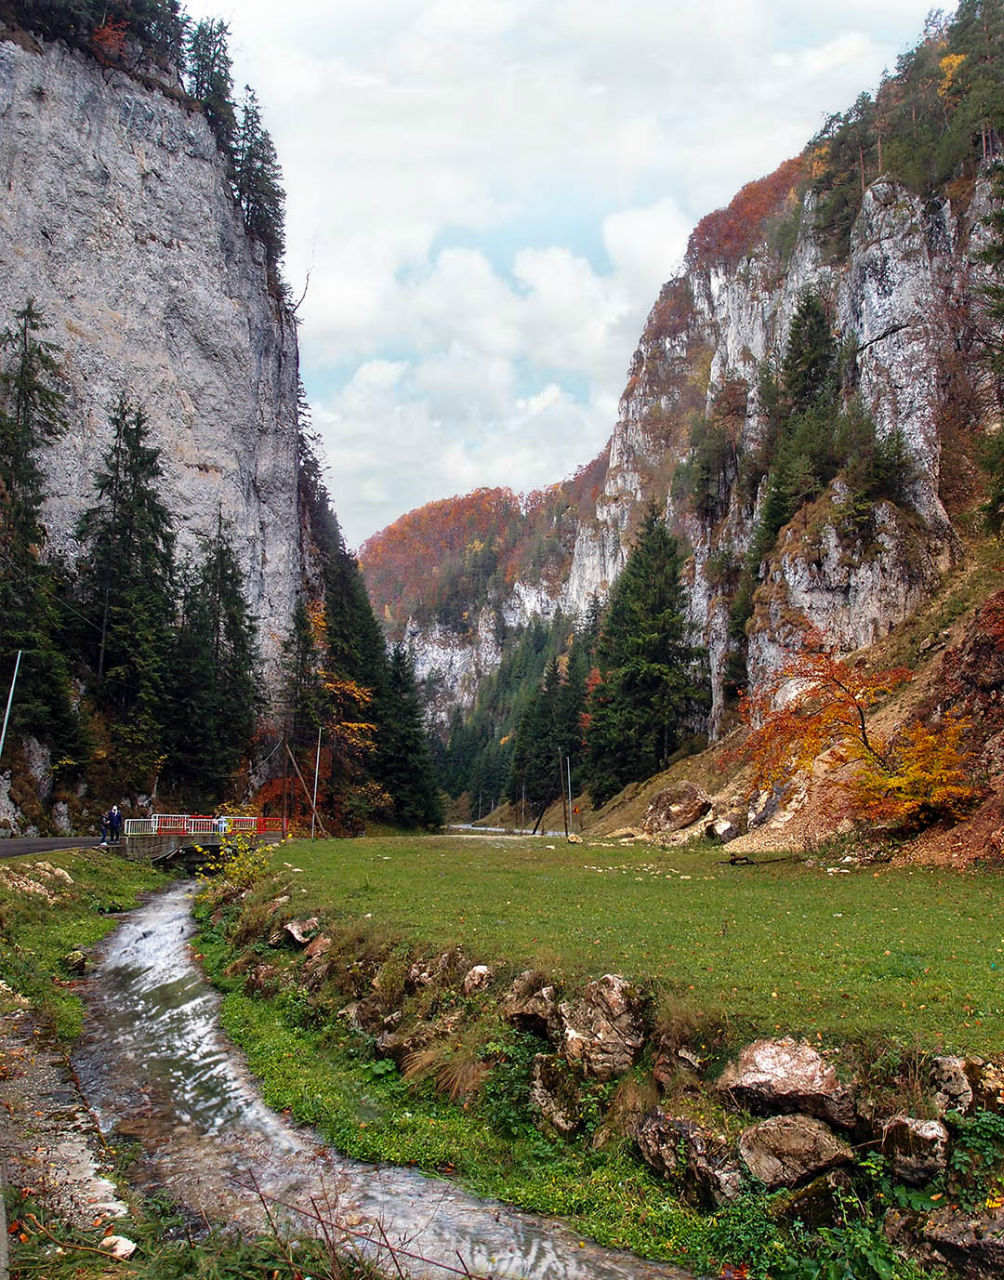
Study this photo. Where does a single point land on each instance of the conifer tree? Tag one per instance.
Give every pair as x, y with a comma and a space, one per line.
210, 79
31, 414
403, 759
215, 691
650, 671
258, 178
126, 587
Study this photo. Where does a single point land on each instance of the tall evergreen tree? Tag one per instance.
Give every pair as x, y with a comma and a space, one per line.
126, 587
650, 672
31, 414
215, 694
258, 178
210, 79
403, 760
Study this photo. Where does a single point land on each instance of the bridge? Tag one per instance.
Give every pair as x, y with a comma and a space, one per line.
188, 837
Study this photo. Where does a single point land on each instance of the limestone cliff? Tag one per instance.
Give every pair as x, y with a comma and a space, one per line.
896, 297
118, 221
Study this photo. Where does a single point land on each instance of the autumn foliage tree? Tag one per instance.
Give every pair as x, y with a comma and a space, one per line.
819, 703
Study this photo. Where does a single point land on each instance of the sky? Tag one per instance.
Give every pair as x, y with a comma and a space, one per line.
484, 197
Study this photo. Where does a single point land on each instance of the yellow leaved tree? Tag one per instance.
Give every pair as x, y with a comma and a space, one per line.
818, 702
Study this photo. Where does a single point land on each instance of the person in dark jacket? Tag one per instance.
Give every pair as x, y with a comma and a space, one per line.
114, 824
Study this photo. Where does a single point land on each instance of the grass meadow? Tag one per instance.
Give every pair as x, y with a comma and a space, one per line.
834, 950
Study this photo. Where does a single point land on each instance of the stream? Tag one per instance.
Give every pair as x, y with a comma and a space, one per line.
154, 1066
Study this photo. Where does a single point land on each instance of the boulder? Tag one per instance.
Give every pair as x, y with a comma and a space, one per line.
317, 947
602, 1032
365, 1015
302, 931
670, 1061
916, 1149
554, 1093
685, 1152
972, 1243
530, 1003
785, 1075
789, 1150
723, 830
676, 807
75, 962
477, 979
953, 1090
988, 1086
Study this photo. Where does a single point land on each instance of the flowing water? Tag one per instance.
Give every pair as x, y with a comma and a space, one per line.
155, 1067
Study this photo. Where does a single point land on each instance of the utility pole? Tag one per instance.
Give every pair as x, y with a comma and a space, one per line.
568, 767
10, 700
285, 786
564, 798
317, 769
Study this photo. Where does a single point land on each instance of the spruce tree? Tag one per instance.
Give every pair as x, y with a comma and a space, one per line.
126, 591
651, 680
215, 690
31, 414
403, 759
258, 178
210, 79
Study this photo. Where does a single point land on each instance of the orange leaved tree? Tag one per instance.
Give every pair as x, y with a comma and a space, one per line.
818, 702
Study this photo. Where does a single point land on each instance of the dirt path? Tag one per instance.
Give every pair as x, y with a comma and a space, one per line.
49, 1140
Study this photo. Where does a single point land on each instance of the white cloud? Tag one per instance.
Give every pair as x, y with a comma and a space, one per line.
488, 194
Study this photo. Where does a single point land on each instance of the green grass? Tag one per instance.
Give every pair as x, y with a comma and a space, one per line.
36, 936
916, 954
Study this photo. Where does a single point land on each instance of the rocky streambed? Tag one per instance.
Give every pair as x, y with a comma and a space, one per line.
153, 1066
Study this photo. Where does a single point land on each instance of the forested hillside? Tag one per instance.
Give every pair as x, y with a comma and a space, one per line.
813, 410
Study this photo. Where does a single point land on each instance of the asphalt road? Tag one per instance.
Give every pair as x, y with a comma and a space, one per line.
16, 847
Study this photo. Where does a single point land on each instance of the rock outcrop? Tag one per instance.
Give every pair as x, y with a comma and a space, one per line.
790, 1150
118, 221
786, 1075
709, 332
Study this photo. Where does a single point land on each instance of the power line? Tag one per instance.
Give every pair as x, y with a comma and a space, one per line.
40, 589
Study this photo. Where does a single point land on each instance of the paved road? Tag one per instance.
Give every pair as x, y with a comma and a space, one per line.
15, 847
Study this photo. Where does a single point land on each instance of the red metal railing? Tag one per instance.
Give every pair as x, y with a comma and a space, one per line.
200, 824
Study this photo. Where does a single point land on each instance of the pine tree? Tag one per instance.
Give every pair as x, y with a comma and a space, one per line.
210, 79
650, 672
215, 691
258, 178
31, 414
126, 590
403, 761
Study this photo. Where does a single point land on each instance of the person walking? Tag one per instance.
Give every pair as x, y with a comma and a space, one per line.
114, 824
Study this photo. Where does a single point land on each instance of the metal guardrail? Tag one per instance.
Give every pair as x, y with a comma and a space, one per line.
199, 824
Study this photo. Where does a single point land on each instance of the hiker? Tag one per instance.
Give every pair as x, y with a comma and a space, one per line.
114, 823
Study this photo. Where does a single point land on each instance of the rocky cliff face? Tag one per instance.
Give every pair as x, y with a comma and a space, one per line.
116, 219
893, 297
